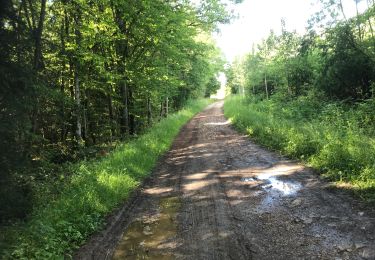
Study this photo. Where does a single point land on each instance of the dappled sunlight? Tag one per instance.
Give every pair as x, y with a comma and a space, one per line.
197, 176
158, 190
190, 148
279, 169
218, 123
197, 185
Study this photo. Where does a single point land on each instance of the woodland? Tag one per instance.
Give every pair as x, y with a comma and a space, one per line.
79, 75
80, 79
312, 97
92, 93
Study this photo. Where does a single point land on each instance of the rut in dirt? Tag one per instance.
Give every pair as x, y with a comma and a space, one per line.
217, 195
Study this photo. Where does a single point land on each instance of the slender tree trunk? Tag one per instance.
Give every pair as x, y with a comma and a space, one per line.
149, 112
166, 106
131, 112
370, 25
86, 128
78, 106
77, 86
286, 77
64, 31
342, 9
37, 31
38, 37
265, 85
110, 112
358, 22
124, 110
161, 114
62, 105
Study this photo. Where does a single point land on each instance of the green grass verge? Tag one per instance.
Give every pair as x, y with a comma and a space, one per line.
329, 138
96, 188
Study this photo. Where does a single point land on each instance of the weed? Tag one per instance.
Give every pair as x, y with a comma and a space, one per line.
95, 189
335, 139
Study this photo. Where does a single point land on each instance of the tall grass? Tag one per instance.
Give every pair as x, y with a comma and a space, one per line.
96, 188
336, 139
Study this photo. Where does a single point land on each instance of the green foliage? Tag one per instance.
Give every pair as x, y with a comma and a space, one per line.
77, 76
312, 96
212, 87
95, 189
332, 137
339, 61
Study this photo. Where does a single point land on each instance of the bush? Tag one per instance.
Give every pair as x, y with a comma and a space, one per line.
95, 189
335, 138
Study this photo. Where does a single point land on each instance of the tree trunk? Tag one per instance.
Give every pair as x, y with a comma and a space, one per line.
161, 114
358, 22
342, 9
77, 99
166, 106
62, 105
131, 112
86, 129
38, 37
77, 90
64, 31
110, 112
370, 25
124, 127
149, 112
265, 85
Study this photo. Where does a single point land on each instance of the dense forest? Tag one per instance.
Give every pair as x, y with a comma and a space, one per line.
311, 96
77, 76
78, 79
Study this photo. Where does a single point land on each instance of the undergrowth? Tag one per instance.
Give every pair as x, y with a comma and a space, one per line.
95, 189
335, 138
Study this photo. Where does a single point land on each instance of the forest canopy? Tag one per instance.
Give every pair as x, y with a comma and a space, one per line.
77, 76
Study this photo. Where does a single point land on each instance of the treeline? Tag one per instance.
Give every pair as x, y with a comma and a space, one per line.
311, 97
338, 60
79, 74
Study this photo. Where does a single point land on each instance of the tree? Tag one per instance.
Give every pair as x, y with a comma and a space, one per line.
80, 74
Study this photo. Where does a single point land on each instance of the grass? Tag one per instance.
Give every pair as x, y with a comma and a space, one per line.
96, 188
335, 139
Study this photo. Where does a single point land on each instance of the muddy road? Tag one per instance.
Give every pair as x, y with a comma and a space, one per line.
217, 195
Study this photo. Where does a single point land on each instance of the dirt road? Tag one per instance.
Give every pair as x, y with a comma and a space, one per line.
217, 195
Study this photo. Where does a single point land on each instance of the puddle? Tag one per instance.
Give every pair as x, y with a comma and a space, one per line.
273, 190
248, 179
285, 187
149, 238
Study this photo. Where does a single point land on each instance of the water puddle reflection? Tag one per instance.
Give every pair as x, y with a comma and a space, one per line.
286, 188
248, 179
150, 238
